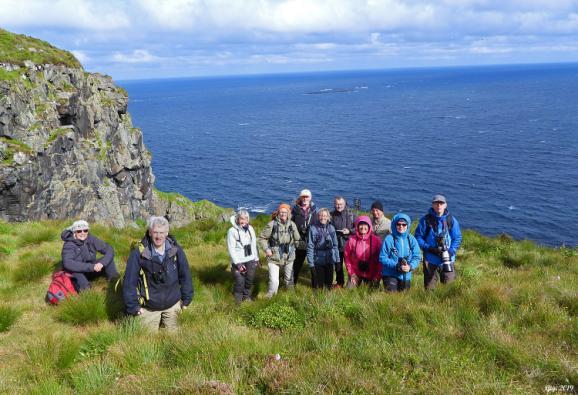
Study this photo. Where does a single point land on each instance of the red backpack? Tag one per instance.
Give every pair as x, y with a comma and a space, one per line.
60, 288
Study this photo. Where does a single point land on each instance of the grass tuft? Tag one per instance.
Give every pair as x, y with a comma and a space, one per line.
8, 316
36, 235
33, 266
87, 308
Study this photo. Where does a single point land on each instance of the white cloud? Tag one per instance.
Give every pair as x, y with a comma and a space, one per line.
136, 56
75, 14
196, 35
81, 56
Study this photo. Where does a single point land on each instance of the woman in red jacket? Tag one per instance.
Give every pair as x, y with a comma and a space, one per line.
362, 255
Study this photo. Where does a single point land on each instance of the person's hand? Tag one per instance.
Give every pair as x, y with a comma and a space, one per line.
345, 231
98, 267
268, 253
183, 307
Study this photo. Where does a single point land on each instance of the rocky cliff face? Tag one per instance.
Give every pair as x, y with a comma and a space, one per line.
68, 148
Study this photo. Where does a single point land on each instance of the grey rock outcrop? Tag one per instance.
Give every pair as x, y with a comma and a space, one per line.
68, 148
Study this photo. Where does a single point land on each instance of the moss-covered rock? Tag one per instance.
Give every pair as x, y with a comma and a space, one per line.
16, 49
180, 211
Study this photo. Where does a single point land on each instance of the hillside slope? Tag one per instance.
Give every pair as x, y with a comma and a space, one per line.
508, 325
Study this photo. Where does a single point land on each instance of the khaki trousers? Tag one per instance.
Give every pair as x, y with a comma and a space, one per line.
168, 318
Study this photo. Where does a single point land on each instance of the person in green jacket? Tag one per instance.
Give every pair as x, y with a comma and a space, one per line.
279, 241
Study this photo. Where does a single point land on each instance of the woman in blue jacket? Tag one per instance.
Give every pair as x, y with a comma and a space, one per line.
322, 250
400, 255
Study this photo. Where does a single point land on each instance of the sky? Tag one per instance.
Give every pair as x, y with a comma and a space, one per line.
140, 39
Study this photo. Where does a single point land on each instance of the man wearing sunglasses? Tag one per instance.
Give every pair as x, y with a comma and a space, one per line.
439, 236
79, 256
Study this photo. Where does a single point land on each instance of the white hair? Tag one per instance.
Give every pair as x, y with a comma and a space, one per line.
160, 222
242, 213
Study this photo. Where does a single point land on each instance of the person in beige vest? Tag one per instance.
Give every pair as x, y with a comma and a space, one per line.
279, 240
381, 224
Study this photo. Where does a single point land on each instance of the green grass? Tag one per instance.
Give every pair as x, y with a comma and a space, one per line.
13, 146
17, 48
8, 316
87, 308
54, 134
507, 325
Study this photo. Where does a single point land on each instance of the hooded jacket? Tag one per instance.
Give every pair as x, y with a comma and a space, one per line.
363, 248
237, 239
303, 222
168, 281
277, 233
399, 245
79, 256
427, 237
322, 245
340, 220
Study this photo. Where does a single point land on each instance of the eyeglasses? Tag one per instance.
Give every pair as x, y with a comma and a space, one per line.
401, 224
81, 231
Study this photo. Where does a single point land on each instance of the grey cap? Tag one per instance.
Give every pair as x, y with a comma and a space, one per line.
439, 198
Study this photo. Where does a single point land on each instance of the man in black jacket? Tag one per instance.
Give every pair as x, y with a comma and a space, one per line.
157, 282
343, 220
79, 256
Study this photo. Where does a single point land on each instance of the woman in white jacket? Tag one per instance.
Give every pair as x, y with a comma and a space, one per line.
242, 246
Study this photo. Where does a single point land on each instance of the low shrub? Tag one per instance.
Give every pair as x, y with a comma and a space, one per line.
87, 308
277, 316
8, 316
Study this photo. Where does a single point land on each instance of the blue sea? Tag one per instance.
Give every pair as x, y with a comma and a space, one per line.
500, 142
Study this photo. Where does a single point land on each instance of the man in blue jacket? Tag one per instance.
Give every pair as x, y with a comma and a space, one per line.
438, 234
157, 282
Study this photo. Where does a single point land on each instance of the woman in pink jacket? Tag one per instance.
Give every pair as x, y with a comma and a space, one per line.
362, 255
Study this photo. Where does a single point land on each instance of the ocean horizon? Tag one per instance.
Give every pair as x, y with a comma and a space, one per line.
501, 142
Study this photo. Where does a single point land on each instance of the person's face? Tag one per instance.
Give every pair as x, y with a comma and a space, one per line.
305, 201
401, 226
363, 228
243, 221
377, 213
283, 214
158, 234
323, 217
81, 234
439, 207
339, 205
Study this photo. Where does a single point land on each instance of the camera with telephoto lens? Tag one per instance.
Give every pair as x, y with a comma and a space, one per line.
328, 244
363, 266
444, 254
248, 250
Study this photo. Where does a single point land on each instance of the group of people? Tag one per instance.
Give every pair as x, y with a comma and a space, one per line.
372, 249
157, 282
